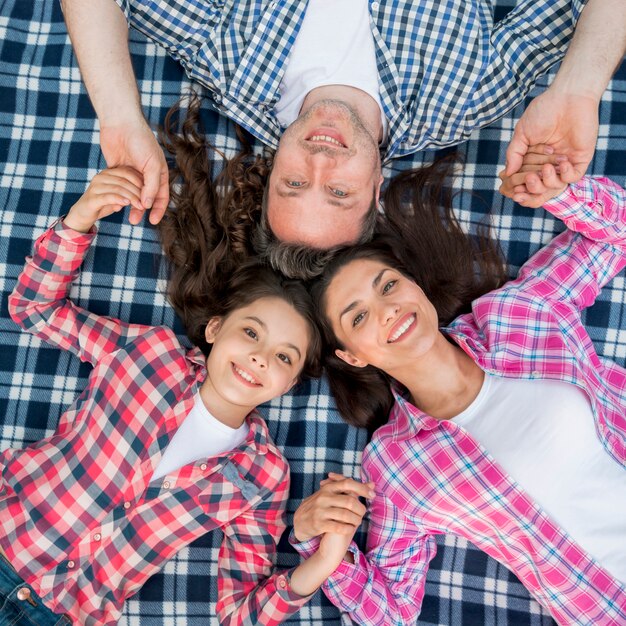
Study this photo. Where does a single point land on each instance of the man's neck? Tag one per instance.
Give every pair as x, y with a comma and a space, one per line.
365, 106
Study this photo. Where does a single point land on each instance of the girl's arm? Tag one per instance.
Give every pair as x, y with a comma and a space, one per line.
39, 302
576, 264
385, 586
250, 591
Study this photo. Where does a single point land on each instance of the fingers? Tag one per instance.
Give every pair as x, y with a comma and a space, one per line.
162, 196
337, 483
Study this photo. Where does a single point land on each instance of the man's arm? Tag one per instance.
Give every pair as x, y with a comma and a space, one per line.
99, 36
565, 116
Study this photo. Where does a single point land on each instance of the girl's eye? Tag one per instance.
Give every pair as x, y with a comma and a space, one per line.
338, 192
284, 358
294, 183
389, 285
358, 319
250, 333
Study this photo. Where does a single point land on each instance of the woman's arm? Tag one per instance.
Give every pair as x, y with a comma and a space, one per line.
576, 264
385, 586
40, 304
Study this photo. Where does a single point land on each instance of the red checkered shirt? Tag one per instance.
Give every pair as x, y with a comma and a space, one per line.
432, 477
80, 519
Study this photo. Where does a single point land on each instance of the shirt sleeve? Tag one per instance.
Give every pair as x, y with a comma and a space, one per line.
576, 264
386, 585
40, 301
250, 591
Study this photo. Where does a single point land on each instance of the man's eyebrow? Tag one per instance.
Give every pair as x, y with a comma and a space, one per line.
264, 326
354, 304
294, 194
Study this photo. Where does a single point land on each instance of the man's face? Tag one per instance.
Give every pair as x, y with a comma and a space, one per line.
326, 175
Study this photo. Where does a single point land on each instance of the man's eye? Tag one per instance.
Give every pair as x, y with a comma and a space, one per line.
358, 319
250, 333
338, 192
388, 285
295, 183
284, 358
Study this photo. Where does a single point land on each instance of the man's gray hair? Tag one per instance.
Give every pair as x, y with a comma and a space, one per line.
296, 260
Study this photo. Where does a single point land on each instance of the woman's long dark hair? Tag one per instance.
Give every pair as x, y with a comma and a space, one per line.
422, 239
206, 233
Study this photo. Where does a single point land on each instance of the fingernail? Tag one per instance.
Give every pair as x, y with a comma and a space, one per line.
549, 150
148, 203
561, 158
371, 494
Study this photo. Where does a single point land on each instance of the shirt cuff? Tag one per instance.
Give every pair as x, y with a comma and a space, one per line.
286, 593
304, 548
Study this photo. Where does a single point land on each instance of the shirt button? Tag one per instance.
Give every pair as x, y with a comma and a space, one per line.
535, 373
166, 484
23, 593
203, 466
375, 6
70, 564
127, 505
282, 583
97, 537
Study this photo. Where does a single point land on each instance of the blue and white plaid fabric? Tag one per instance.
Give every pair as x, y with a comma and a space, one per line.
445, 68
49, 151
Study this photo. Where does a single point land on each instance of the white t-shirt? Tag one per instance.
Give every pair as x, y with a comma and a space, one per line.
334, 46
542, 433
199, 436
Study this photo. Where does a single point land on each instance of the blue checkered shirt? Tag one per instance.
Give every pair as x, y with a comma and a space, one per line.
444, 67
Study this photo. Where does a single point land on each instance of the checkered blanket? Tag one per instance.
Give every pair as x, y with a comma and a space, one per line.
49, 151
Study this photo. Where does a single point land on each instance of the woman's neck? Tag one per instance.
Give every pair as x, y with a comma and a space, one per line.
444, 382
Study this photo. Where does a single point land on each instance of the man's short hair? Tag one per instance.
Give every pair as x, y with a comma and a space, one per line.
296, 260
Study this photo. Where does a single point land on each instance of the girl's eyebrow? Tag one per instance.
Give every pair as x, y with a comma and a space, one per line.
375, 284
264, 326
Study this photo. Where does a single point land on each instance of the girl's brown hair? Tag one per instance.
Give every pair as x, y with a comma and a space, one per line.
420, 237
206, 234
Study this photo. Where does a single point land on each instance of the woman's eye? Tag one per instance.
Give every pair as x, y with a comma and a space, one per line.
250, 333
294, 183
388, 285
358, 319
338, 192
284, 358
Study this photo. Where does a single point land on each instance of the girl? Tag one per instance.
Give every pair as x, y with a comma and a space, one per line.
500, 423
162, 446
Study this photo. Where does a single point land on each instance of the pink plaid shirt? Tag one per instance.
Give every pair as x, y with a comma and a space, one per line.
432, 477
80, 519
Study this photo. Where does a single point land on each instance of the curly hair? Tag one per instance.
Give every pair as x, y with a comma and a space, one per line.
206, 233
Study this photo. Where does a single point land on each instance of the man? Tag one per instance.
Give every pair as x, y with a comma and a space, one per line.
328, 83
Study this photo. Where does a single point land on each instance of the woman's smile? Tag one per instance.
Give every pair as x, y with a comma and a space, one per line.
402, 328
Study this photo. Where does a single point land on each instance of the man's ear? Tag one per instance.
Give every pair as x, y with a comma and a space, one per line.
350, 359
212, 328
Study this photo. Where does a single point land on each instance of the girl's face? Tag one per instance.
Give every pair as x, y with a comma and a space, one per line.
381, 317
258, 352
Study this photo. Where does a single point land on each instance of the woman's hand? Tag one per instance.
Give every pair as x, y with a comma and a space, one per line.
334, 508
108, 193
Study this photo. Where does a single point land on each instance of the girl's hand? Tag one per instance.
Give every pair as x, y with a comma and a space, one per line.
540, 178
334, 508
108, 193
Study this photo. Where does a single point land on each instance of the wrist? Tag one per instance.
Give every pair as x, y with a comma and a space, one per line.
78, 224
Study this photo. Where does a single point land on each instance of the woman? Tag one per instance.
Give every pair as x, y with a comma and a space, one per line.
501, 424
163, 445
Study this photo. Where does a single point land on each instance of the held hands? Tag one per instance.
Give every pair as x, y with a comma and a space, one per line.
108, 192
134, 145
567, 125
334, 512
539, 179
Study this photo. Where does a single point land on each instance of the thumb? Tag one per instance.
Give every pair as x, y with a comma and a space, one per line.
151, 180
516, 151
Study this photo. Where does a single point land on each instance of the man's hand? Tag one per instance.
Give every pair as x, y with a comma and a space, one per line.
134, 145
566, 123
539, 179
334, 508
108, 192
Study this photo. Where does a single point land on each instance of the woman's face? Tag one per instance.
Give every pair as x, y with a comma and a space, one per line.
381, 317
258, 352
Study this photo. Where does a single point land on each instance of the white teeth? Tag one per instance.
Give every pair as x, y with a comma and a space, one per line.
401, 330
246, 376
327, 139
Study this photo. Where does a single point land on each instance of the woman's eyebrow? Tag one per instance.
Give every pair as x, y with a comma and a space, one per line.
375, 284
